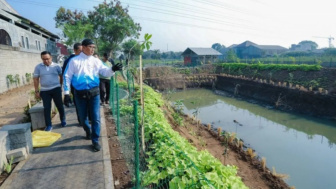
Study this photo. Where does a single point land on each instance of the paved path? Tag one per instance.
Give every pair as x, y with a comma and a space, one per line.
68, 163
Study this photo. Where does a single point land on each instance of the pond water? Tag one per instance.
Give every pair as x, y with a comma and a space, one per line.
302, 147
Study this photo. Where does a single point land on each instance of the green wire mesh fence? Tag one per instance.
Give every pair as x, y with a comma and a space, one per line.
159, 163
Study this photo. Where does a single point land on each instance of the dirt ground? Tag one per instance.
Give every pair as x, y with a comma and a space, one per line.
12, 104
121, 177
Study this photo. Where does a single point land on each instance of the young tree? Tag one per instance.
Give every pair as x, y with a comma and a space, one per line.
131, 48
232, 57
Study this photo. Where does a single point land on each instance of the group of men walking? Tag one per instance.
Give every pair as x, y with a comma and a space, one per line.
81, 75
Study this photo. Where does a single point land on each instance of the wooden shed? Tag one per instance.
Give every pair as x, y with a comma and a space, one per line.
199, 56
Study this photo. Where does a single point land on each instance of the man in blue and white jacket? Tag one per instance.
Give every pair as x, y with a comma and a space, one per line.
83, 73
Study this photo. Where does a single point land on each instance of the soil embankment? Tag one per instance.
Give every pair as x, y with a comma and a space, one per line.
277, 92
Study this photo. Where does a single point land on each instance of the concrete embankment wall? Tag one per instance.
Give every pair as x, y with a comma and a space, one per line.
286, 98
280, 96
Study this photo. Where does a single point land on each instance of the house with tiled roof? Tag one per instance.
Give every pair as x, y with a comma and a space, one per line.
249, 49
198, 56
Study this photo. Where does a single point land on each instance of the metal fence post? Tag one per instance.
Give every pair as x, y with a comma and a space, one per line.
136, 151
118, 110
112, 95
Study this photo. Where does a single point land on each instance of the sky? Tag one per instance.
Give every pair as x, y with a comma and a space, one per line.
179, 24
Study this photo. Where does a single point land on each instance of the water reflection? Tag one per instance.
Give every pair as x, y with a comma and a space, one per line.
309, 125
301, 146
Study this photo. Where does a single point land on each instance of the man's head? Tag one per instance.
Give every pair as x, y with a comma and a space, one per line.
88, 47
77, 48
46, 58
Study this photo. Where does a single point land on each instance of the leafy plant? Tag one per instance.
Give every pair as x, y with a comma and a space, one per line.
313, 83
17, 79
172, 159
187, 71
8, 166
28, 77
10, 78
196, 110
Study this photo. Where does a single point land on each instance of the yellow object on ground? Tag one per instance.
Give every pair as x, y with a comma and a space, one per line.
44, 138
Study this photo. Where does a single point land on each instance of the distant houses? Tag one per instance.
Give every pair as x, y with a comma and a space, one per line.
198, 56
249, 49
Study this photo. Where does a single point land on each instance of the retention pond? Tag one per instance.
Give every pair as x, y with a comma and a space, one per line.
300, 146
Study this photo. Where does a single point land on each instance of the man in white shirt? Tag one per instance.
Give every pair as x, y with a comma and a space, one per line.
49, 76
83, 73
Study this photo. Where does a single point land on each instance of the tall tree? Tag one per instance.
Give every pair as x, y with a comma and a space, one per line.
113, 24
76, 32
311, 43
66, 16
217, 46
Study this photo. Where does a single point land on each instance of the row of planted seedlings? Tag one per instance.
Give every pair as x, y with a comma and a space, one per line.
164, 159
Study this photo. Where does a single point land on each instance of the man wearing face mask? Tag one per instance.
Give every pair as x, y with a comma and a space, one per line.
83, 73
48, 76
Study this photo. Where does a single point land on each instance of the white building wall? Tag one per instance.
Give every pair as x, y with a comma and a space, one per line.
16, 59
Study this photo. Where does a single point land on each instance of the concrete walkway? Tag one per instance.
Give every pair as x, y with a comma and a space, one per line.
68, 163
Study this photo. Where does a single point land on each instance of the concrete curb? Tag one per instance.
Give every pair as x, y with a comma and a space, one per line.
108, 174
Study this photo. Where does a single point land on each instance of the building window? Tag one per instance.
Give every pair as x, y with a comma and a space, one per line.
5, 38
39, 45
23, 42
36, 45
27, 42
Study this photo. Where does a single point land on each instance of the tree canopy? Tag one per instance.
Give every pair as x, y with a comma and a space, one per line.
109, 24
131, 48
311, 43
217, 46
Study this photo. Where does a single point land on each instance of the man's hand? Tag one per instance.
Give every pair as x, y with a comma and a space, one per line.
67, 100
117, 67
37, 95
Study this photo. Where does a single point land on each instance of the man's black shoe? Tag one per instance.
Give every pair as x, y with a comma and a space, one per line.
96, 147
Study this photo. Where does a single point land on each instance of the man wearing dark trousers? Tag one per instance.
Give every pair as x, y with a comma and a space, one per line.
83, 73
77, 48
104, 84
48, 76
